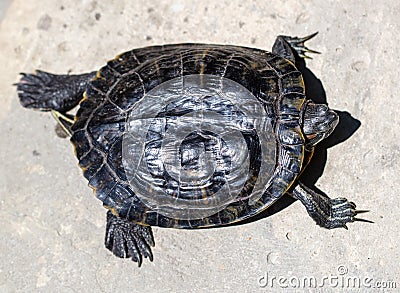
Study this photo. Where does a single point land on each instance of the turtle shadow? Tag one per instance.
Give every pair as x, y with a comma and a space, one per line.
346, 127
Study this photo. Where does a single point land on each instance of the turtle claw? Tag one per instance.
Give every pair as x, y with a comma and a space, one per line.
363, 220
362, 211
306, 38
297, 44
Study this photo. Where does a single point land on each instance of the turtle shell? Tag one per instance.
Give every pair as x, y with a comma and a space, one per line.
191, 135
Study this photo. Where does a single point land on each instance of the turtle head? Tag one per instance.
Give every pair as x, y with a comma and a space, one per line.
318, 123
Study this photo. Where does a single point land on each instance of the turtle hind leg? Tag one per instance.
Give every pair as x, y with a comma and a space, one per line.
128, 240
46, 91
288, 47
326, 212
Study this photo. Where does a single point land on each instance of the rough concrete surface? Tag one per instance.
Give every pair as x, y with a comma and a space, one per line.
52, 228
3, 8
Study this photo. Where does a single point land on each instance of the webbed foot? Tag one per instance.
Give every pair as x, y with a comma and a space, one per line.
338, 212
128, 240
46, 91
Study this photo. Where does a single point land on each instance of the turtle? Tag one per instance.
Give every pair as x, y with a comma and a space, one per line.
191, 136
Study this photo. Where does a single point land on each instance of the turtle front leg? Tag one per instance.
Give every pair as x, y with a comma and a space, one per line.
326, 212
46, 91
288, 47
128, 240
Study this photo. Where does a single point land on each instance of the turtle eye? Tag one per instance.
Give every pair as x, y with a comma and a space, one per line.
322, 108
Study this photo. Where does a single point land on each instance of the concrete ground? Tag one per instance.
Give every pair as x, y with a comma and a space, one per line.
3, 8
52, 228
